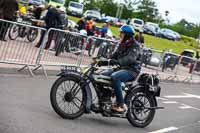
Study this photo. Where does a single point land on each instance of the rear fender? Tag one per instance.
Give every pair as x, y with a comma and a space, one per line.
86, 87
145, 90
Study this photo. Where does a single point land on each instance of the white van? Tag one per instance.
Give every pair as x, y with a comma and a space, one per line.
75, 8
137, 24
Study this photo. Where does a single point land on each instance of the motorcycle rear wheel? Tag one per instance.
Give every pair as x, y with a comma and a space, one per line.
138, 103
69, 98
32, 34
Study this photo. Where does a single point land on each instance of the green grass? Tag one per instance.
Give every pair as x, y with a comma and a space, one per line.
158, 43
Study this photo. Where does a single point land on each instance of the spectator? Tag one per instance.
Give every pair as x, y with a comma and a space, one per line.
37, 12
104, 30
89, 27
128, 21
140, 38
81, 24
7, 12
51, 21
61, 24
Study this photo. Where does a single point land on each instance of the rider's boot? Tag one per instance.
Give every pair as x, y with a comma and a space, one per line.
119, 108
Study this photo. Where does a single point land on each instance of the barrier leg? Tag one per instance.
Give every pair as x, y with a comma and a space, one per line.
35, 69
29, 69
44, 70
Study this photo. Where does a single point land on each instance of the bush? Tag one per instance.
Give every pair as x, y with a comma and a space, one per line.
188, 40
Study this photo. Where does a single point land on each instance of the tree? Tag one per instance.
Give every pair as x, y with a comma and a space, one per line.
147, 10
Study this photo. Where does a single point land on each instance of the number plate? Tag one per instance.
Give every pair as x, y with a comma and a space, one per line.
71, 68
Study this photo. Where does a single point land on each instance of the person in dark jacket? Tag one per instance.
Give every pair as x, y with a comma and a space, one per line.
61, 24
128, 57
37, 11
51, 20
81, 24
8, 9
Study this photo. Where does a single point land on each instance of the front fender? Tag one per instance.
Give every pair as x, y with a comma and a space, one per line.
86, 87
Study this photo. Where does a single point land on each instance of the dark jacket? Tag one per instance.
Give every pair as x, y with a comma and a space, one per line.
8, 9
129, 58
61, 24
51, 18
37, 12
81, 25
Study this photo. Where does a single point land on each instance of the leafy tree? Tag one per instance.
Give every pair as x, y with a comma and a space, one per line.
147, 10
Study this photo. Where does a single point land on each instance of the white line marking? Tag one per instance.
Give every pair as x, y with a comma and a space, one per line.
160, 98
178, 96
186, 95
165, 130
167, 102
184, 106
195, 96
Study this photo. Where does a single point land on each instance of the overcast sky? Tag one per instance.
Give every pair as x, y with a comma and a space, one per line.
188, 9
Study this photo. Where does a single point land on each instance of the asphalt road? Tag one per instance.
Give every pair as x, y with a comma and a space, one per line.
25, 108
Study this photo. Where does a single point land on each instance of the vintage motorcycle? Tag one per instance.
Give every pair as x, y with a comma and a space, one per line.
169, 61
72, 95
146, 56
22, 31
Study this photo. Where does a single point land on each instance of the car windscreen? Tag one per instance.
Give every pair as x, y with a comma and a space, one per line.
138, 22
59, 1
76, 5
187, 53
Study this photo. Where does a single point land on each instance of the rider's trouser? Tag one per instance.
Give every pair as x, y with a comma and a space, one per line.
117, 78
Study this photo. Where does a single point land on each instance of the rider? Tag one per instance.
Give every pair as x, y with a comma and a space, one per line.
127, 56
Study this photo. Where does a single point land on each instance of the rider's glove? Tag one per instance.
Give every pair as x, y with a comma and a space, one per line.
114, 62
108, 62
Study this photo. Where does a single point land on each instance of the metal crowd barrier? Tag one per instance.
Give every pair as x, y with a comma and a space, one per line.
17, 44
61, 48
97, 47
31, 46
178, 68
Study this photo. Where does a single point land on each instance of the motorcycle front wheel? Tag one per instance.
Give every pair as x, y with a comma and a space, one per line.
68, 98
14, 32
140, 114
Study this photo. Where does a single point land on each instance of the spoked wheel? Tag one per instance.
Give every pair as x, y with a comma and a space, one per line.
140, 114
32, 34
13, 32
68, 98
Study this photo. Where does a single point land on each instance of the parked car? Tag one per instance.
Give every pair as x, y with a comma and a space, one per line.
137, 24
178, 36
187, 53
93, 14
75, 8
151, 28
37, 2
168, 34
